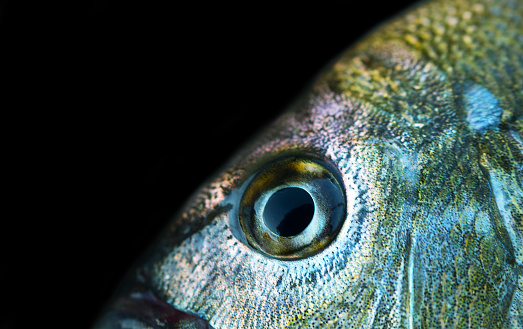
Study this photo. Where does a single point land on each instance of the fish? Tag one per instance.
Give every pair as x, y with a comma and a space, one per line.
390, 195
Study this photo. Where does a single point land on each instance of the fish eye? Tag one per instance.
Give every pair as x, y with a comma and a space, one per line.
293, 207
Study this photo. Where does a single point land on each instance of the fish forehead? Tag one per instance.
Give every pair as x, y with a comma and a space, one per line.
423, 119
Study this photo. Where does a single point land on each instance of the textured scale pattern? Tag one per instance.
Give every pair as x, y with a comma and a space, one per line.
424, 120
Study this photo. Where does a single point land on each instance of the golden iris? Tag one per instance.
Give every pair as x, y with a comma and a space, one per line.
293, 207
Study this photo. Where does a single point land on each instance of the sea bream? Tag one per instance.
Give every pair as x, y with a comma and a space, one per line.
389, 196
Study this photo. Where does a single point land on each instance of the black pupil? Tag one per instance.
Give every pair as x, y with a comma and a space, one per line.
288, 211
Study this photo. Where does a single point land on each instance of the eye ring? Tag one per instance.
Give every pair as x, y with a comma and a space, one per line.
294, 185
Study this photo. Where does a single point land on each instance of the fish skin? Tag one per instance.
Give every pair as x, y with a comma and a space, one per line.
424, 121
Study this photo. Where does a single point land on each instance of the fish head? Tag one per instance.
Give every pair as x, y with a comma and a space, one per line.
389, 195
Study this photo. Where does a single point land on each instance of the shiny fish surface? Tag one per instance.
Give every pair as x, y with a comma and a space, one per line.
389, 196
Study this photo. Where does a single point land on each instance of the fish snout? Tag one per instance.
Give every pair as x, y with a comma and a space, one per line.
137, 307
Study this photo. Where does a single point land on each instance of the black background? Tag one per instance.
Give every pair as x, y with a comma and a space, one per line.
163, 94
